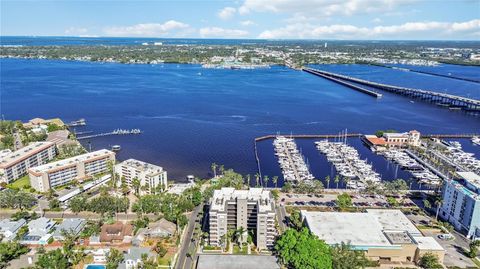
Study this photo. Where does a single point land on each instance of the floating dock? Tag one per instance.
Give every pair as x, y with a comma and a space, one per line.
115, 132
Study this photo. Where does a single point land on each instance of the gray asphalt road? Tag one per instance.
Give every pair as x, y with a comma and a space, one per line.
282, 217
185, 262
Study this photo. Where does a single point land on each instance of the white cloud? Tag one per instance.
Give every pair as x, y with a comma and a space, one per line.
344, 31
321, 7
76, 31
218, 32
377, 20
247, 23
227, 13
146, 29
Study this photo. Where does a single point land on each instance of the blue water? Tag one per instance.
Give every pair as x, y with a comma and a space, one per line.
95, 266
192, 117
469, 72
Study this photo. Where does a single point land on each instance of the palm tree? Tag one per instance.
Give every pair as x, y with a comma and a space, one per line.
327, 179
438, 204
345, 180
275, 181
248, 179
239, 236
136, 185
214, 169
257, 179
265, 181
336, 180
222, 169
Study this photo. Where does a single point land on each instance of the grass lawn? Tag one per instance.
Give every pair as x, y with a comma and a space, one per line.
20, 183
476, 261
236, 250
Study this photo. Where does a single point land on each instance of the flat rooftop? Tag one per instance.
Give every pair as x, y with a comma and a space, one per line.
394, 220
24, 153
427, 243
237, 262
361, 230
471, 177
72, 161
222, 196
143, 166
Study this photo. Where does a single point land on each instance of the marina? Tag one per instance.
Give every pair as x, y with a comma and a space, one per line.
291, 161
348, 163
114, 132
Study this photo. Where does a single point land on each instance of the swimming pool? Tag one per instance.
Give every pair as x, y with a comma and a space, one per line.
95, 266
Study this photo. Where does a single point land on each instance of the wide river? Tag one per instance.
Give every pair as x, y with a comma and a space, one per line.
192, 117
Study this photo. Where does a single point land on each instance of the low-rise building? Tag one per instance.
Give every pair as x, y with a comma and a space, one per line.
116, 233
73, 226
133, 258
385, 235
461, 203
39, 231
51, 175
411, 138
151, 177
9, 228
252, 209
39, 121
14, 165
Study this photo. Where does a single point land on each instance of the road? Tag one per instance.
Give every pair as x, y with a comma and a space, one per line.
282, 217
185, 262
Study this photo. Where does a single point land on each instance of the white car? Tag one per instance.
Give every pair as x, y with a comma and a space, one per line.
446, 236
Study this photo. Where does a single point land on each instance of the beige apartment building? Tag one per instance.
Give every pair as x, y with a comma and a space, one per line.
151, 176
14, 165
51, 175
252, 209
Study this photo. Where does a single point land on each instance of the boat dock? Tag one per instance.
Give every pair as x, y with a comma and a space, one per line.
454, 102
114, 132
344, 83
80, 122
307, 136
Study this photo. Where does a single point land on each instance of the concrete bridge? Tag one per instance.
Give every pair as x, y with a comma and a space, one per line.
453, 102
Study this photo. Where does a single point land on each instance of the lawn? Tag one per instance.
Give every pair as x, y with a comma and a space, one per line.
20, 183
236, 250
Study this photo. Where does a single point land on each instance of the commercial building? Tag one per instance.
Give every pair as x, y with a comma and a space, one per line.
253, 209
59, 173
387, 140
385, 235
461, 203
9, 228
153, 177
15, 164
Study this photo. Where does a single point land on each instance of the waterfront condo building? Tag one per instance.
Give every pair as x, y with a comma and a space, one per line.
461, 203
80, 167
14, 165
253, 209
151, 177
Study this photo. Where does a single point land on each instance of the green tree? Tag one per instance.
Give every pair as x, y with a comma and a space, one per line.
287, 187
296, 219
344, 257
136, 185
54, 204
214, 169
114, 258
429, 261
473, 252
265, 181
53, 260
275, 181
301, 249
10, 251
344, 201
336, 179
427, 204
392, 202
327, 179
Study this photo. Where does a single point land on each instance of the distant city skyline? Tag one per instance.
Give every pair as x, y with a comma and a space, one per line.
264, 19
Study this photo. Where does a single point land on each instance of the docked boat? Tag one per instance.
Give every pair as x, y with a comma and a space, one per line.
476, 140
116, 148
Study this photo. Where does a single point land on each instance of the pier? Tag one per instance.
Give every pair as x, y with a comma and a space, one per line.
307, 136
441, 99
115, 132
344, 83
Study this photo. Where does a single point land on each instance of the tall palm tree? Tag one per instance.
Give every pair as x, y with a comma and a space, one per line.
136, 185
214, 169
438, 204
257, 179
222, 169
265, 181
345, 180
336, 180
248, 179
327, 179
275, 181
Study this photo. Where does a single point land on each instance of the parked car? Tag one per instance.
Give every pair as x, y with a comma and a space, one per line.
446, 236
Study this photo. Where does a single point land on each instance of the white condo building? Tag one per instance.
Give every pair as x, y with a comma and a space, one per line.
59, 173
14, 165
149, 175
252, 209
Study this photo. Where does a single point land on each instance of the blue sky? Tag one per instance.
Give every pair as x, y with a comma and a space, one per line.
271, 19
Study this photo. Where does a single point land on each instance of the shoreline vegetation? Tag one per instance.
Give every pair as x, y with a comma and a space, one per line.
294, 55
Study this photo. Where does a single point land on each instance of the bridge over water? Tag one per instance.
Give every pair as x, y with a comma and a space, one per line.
453, 102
